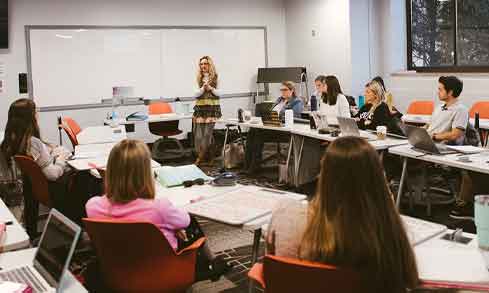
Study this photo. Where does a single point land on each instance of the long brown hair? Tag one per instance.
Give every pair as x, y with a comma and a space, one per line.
212, 73
21, 126
334, 89
129, 175
353, 222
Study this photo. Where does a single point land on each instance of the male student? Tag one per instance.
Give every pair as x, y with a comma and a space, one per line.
450, 120
448, 124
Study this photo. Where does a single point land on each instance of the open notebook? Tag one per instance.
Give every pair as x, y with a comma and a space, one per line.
174, 176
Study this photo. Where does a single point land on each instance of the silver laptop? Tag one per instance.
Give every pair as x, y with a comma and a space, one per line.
349, 127
421, 141
53, 256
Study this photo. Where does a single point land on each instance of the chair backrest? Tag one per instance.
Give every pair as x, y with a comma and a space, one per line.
286, 275
38, 180
75, 128
136, 255
482, 108
70, 134
421, 108
159, 107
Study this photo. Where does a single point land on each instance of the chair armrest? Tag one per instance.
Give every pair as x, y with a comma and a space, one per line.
196, 245
256, 274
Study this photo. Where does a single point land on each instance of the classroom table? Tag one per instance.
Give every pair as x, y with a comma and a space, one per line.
2, 134
24, 257
98, 162
184, 197
101, 134
477, 162
151, 118
425, 119
15, 236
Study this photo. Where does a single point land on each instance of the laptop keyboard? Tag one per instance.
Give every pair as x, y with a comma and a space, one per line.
23, 275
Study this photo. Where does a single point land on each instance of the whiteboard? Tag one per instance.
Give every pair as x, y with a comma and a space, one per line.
71, 66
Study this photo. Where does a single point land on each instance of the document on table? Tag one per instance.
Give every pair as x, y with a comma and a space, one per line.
467, 149
419, 231
169, 176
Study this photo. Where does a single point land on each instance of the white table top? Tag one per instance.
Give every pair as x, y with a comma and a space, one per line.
96, 162
446, 261
93, 150
25, 257
181, 197
478, 162
425, 119
15, 236
152, 118
2, 134
101, 134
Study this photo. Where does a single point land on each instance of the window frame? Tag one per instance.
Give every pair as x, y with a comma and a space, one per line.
453, 68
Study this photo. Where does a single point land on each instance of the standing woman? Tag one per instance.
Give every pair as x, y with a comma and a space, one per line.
207, 110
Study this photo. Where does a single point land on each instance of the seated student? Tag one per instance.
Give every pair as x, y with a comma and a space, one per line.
351, 222
288, 100
130, 195
333, 103
22, 137
450, 120
473, 183
375, 112
389, 99
256, 138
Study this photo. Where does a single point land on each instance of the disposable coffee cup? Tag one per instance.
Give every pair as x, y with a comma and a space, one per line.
247, 115
481, 213
381, 132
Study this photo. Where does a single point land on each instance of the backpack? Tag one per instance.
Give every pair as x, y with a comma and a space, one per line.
472, 136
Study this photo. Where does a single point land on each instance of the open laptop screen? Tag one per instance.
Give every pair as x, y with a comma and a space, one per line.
56, 247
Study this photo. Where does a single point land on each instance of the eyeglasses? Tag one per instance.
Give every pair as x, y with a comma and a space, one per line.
189, 183
284, 90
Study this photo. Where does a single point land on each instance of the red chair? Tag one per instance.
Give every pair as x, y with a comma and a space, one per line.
35, 190
421, 108
136, 257
480, 107
164, 129
71, 128
287, 275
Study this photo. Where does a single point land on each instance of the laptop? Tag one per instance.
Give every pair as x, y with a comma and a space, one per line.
349, 127
421, 141
53, 256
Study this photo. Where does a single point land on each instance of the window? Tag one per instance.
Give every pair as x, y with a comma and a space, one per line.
448, 35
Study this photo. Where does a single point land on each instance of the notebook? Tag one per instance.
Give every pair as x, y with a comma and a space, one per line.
169, 176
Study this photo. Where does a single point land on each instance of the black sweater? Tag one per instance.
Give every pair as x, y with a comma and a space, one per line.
380, 117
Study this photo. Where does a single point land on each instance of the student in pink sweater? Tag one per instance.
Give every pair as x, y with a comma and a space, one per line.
130, 195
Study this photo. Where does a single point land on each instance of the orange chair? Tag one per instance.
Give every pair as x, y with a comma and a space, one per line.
135, 257
287, 275
164, 129
71, 128
480, 107
421, 108
35, 190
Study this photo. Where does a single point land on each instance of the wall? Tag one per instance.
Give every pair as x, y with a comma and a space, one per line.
269, 13
329, 51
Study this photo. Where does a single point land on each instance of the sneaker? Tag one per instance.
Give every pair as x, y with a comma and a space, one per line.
463, 210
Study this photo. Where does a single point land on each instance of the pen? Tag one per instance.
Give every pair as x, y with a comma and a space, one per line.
9, 223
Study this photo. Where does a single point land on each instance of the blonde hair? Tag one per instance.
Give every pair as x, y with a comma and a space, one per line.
129, 175
212, 72
379, 92
353, 222
291, 86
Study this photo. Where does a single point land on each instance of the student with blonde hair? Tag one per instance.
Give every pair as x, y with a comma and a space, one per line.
375, 112
130, 195
207, 110
351, 222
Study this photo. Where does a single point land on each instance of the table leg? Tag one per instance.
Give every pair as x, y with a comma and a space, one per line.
297, 161
401, 183
224, 146
254, 255
289, 155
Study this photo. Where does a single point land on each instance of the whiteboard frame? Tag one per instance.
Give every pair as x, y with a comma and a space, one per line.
29, 28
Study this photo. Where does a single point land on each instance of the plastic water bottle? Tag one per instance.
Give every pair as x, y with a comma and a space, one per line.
115, 115
314, 105
361, 101
289, 118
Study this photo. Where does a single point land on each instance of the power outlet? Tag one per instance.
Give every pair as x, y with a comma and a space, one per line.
315, 33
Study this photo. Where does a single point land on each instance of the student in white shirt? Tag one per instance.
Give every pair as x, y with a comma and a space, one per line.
333, 103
